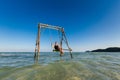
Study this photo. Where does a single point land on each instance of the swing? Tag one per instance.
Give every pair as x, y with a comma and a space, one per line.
62, 37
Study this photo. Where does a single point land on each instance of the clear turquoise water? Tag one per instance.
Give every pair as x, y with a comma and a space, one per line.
84, 66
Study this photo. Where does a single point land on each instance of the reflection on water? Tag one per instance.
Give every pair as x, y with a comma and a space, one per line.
84, 66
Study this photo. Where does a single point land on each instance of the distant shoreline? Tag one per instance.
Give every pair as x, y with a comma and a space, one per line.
109, 49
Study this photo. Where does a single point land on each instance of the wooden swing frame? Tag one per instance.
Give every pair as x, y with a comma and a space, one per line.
61, 29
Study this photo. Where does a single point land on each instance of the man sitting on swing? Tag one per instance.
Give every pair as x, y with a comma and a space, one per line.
58, 48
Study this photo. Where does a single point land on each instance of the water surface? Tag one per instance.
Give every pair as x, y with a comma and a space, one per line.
84, 66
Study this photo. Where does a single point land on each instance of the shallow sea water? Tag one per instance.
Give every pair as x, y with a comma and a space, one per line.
50, 66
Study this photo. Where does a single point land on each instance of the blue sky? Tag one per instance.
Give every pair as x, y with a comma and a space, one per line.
89, 24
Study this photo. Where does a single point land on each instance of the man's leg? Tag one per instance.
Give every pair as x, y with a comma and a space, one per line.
61, 52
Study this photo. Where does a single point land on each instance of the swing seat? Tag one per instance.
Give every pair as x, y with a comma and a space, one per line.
55, 50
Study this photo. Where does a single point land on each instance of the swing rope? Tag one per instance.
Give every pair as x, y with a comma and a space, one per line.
50, 39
